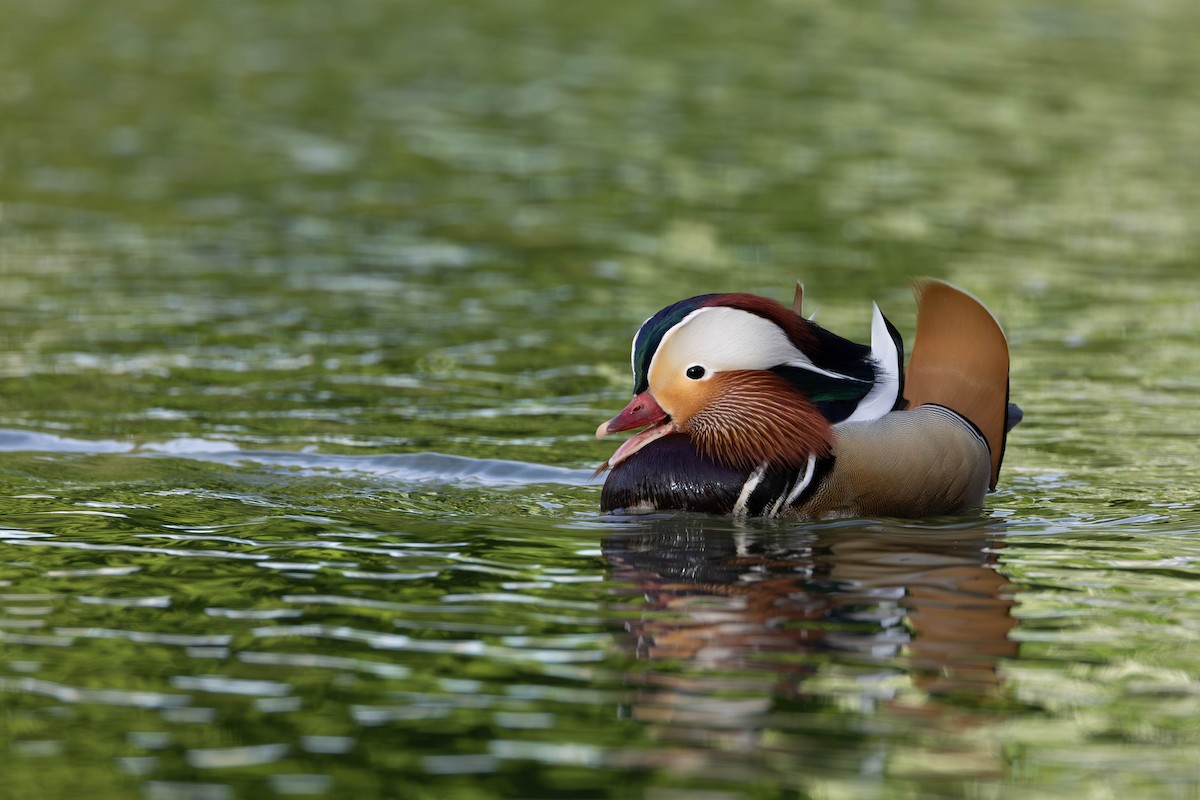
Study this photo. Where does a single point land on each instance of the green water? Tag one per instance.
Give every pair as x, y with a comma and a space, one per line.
308, 312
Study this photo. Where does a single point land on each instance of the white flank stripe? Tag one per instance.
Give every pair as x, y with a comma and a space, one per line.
739, 508
805, 481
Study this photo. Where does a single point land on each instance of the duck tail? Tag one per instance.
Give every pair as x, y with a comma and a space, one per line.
960, 361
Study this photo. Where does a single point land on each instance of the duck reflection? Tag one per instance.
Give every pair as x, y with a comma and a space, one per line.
907, 620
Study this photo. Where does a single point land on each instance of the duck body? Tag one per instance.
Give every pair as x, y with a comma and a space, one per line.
905, 464
754, 411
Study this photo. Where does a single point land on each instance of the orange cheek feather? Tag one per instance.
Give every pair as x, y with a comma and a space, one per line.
683, 399
744, 418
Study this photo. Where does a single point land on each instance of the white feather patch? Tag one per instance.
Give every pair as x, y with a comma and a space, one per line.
882, 397
803, 483
739, 508
720, 338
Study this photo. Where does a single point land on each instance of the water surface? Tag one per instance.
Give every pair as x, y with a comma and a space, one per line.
309, 312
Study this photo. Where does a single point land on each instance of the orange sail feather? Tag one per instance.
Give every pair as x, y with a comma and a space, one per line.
960, 361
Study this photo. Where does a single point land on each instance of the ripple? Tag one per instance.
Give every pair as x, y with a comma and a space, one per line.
437, 468
226, 757
377, 668
180, 790
410, 467
566, 753
150, 637
401, 642
96, 572
300, 784
219, 684
254, 613
136, 765
459, 765
327, 745
36, 640
149, 740
77, 694
162, 601
126, 548
14, 441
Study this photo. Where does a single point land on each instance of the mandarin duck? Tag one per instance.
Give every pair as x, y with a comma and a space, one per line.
749, 409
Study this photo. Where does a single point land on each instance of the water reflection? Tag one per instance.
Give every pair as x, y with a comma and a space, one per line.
749, 634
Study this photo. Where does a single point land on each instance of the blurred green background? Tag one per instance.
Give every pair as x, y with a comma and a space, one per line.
299, 221
371, 229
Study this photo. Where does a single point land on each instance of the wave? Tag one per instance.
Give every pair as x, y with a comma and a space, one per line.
403, 467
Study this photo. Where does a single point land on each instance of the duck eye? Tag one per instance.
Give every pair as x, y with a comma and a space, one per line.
695, 372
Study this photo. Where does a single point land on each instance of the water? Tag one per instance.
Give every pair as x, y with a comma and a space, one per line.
309, 312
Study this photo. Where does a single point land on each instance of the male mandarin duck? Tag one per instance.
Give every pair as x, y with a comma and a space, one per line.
753, 410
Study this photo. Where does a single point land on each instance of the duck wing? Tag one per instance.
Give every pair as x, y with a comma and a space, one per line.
960, 361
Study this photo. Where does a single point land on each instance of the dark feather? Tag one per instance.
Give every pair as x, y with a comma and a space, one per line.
671, 473
836, 398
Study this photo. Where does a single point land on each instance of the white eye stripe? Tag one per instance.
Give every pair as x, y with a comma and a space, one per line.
722, 338
725, 338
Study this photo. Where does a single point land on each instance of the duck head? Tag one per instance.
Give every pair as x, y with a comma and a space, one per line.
749, 382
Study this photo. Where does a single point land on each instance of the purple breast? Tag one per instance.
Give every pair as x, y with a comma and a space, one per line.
670, 473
